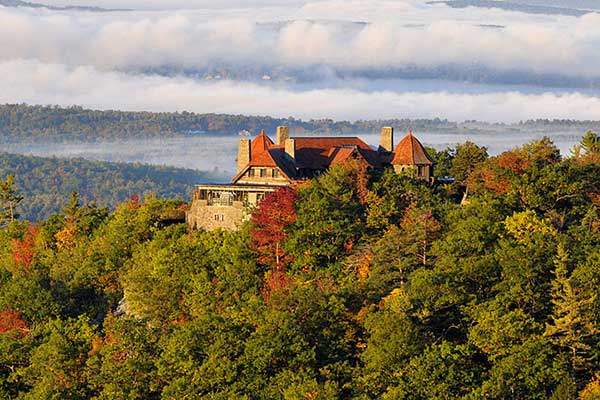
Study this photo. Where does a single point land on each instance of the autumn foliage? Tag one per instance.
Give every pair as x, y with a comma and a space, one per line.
12, 321
274, 213
23, 250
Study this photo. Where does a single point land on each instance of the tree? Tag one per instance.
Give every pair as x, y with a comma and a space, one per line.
570, 325
12, 321
589, 148
330, 218
467, 157
420, 229
269, 222
391, 340
9, 199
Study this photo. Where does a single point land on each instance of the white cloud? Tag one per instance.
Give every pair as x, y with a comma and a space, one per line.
400, 33
37, 83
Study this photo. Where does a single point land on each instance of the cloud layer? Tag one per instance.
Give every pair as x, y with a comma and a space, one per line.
397, 34
35, 82
111, 60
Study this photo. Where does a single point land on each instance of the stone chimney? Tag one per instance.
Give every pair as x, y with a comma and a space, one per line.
387, 139
243, 158
290, 148
283, 133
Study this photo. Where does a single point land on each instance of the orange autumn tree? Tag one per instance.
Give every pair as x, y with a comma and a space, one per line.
24, 250
273, 214
12, 321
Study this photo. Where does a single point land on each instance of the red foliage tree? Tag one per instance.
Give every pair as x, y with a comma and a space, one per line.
273, 214
276, 284
12, 321
23, 250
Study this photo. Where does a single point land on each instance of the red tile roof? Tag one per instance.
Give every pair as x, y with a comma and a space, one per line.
313, 153
410, 152
339, 155
260, 144
310, 153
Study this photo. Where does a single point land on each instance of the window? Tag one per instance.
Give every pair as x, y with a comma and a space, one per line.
263, 172
274, 173
219, 217
251, 172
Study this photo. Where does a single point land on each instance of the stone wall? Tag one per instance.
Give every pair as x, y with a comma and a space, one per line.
203, 216
412, 170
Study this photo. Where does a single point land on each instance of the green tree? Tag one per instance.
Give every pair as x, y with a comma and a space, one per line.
9, 200
467, 157
330, 219
570, 326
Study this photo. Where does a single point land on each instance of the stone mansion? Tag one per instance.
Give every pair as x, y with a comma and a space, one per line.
264, 165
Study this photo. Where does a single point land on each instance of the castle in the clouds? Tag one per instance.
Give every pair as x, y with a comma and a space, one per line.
264, 165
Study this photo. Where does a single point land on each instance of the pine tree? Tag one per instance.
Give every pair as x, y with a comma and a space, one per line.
570, 325
9, 199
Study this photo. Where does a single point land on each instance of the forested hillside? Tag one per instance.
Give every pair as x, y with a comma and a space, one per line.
48, 182
356, 286
25, 124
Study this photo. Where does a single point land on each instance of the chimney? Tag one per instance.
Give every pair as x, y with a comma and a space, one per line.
290, 148
243, 158
387, 139
283, 133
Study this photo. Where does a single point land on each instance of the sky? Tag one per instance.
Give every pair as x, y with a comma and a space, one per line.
340, 59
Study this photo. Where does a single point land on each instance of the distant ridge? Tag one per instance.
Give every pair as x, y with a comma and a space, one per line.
515, 6
19, 3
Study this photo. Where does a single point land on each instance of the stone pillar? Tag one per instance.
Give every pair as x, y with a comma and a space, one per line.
387, 139
290, 148
283, 133
243, 158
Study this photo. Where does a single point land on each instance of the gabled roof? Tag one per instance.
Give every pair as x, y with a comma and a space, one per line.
410, 152
339, 155
314, 153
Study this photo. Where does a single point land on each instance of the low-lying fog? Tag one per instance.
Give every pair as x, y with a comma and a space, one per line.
218, 153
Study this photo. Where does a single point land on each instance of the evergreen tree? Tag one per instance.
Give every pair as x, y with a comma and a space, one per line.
570, 326
9, 199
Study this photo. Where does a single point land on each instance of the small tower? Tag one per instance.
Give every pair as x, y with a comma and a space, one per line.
411, 157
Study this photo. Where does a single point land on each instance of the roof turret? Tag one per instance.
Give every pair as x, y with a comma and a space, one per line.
410, 152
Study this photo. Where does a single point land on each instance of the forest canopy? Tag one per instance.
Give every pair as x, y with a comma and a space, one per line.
369, 286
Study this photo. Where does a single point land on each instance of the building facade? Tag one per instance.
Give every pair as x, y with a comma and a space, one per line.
264, 165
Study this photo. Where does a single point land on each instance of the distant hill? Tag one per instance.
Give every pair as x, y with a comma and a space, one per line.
19, 3
525, 6
580, 4
24, 124
21, 123
46, 183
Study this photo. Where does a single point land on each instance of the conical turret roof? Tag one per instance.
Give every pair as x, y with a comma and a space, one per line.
410, 152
